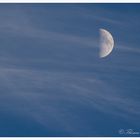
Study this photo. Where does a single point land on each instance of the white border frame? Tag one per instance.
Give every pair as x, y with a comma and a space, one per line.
69, 138
69, 1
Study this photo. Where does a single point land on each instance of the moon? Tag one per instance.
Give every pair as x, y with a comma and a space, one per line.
106, 43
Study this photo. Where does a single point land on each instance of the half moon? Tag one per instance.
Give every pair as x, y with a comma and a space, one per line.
106, 43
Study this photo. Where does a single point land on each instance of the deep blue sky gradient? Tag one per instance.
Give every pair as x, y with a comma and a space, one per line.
52, 82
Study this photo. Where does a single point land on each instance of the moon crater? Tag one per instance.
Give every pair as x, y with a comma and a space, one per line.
106, 43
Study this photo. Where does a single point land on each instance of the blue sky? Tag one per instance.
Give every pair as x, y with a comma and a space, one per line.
52, 81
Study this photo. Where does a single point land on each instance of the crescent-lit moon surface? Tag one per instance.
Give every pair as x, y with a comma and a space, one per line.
106, 43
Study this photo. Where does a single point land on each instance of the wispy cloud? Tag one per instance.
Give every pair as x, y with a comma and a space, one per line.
54, 89
43, 104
